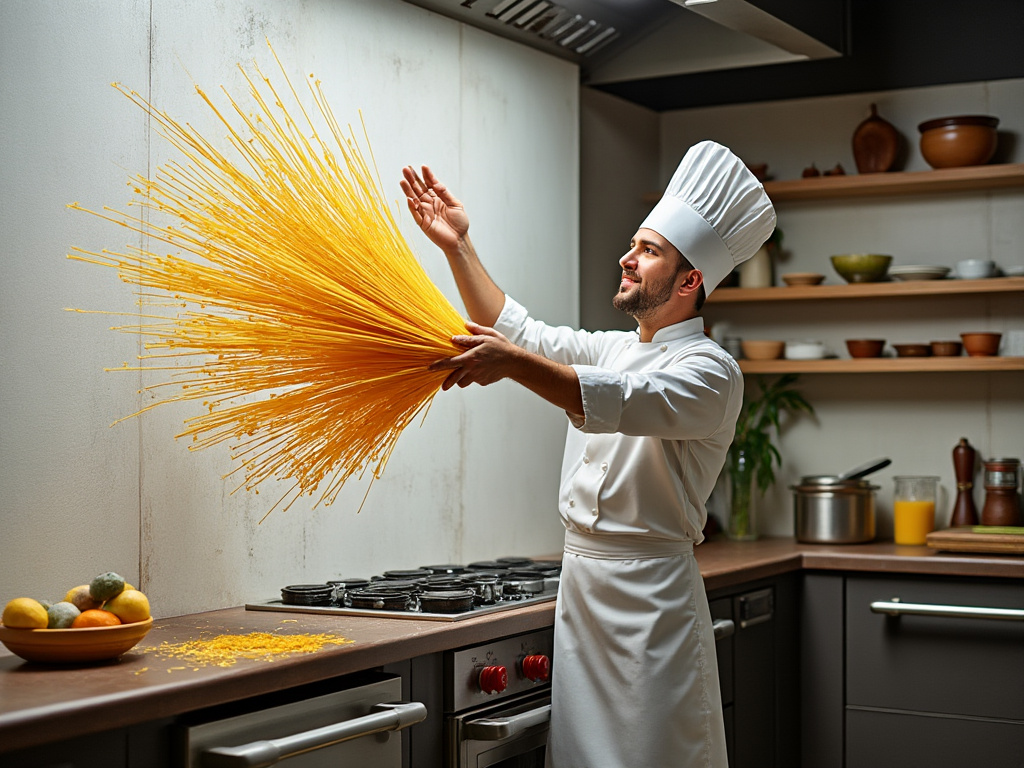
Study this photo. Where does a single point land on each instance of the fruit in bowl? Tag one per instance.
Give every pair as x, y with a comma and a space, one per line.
861, 267
94, 622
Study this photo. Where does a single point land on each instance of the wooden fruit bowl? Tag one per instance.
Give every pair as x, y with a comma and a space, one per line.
70, 646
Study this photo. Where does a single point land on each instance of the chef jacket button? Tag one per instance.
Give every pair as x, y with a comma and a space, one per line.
594, 510
572, 503
586, 459
664, 347
604, 466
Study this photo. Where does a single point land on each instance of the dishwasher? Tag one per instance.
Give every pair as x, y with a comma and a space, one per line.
357, 726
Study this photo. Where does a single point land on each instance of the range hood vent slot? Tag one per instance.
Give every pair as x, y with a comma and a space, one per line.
617, 40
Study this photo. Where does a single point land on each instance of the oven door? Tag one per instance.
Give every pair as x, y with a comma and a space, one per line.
509, 734
348, 727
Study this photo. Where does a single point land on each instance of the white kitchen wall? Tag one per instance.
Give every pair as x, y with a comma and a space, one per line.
477, 480
914, 419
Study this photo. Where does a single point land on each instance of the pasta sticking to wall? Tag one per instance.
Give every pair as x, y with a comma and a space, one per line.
303, 323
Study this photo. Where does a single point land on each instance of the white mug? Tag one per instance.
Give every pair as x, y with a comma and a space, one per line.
1013, 344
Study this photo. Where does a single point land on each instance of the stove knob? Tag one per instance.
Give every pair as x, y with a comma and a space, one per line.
537, 668
493, 679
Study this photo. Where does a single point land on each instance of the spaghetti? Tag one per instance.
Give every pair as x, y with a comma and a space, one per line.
304, 324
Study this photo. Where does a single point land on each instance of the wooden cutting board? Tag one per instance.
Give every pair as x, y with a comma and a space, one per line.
979, 538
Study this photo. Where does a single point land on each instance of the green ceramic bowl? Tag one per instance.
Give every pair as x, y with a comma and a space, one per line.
861, 267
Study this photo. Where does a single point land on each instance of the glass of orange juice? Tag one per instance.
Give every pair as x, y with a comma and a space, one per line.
914, 508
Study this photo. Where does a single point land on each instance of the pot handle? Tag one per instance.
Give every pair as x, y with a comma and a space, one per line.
865, 469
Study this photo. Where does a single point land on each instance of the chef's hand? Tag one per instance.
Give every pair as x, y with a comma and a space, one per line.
439, 214
489, 357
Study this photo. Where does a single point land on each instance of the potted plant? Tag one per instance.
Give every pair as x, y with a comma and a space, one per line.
752, 456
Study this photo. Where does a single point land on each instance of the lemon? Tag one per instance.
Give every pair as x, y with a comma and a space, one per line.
130, 606
106, 586
61, 615
80, 598
25, 613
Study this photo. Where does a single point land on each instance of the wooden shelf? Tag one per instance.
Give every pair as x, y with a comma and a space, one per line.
885, 365
972, 179
867, 290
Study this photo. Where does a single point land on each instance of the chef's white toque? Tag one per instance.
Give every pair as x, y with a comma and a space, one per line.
714, 211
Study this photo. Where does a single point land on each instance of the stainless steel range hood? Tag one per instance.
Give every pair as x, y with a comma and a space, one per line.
622, 40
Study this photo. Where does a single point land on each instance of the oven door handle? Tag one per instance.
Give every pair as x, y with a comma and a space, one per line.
498, 728
259, 754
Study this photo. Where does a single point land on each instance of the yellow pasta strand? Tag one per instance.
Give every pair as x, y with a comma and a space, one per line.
304, 322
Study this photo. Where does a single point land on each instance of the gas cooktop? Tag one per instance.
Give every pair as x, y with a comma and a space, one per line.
434, 592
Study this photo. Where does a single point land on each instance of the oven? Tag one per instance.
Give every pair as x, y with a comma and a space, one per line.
497, 702
356, 722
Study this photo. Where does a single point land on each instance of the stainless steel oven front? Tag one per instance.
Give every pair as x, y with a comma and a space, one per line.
498, 703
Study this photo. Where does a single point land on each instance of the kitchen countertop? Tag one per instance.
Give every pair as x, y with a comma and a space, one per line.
37, 701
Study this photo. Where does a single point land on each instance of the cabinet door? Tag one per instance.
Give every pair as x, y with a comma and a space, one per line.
956, 666
894, 740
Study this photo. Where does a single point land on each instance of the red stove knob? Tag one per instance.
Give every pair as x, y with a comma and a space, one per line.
493, 679
537, 668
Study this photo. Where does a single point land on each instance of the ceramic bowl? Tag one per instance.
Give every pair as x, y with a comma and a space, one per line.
804, 350
72, 646
802, 278
861, 267
981, 344
975, 269
953, 142
762, 349
865, 347
946, 348
912, 350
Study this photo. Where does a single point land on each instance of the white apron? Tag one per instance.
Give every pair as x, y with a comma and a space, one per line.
635, 678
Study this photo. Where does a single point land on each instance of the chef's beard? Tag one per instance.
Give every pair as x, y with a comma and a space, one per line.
645, 298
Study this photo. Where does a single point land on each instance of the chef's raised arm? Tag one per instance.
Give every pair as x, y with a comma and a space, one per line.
443, 219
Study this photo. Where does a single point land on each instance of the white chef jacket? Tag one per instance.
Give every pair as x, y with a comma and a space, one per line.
636, 680
658, 420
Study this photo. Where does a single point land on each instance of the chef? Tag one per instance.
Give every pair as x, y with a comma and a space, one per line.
651, 415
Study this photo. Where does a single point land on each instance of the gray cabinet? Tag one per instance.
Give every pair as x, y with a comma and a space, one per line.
880, 690
759, 669
939, 690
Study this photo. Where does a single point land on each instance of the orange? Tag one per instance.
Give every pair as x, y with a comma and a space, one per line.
95, 618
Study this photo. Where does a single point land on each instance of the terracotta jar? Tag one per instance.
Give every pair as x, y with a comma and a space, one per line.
1002, 492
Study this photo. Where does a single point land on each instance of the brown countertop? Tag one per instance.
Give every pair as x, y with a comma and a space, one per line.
37, 701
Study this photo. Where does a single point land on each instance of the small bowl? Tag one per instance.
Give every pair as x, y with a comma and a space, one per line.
762, 349
865, 347
975, 269
954, 142
804, 350
861, 267
912, 350
946, 348
72, 646
802, 278
981, 344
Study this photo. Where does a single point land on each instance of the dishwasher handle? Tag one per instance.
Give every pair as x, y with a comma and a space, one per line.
392, 716
723, 628
498, 728
896, 607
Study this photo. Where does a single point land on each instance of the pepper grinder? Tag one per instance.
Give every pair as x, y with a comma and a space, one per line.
964, 511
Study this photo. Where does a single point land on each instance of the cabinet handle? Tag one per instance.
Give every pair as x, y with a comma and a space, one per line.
260, 754
496, 729
896, 607
723, 628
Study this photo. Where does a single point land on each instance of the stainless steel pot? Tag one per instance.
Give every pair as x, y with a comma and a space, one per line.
830, 510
